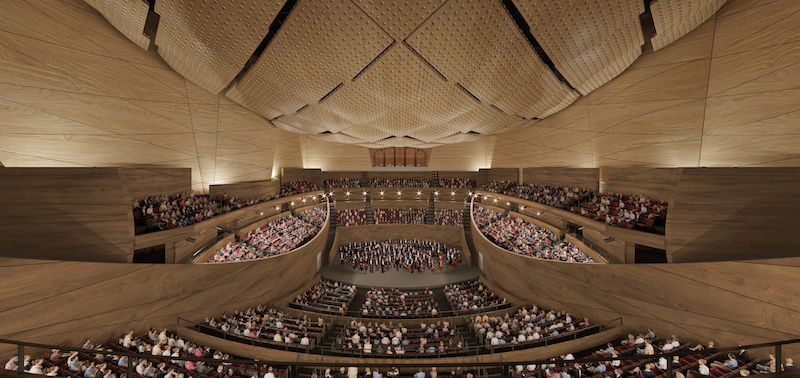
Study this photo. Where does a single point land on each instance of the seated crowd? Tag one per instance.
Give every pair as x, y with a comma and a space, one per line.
342, 182
411, 215
562, 197
524, 328
389, 340
105, 361
449, 217
184, 209
296, 187
456, 183
276, 237
413, 182
271, 327
327, 297
471, 296
413, 256
351, 217
399, 303
704, 362
625, 211
519, 236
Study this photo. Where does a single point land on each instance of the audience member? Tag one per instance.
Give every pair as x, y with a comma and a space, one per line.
456, 183
342, 182
416, 182
351, 217
327, 297
472, 296
449, 217
391, 215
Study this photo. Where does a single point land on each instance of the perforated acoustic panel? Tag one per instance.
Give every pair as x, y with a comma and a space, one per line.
476, 44
321, 45
398, 18
676, 18
209, 41
128, 16
589, 42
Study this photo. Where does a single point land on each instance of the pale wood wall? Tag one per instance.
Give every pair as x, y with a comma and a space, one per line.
734, 214
65, 214
246, 190
586, 178
150, 181
728, 302
67, 302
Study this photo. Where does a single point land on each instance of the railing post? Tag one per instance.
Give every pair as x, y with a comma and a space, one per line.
778, 359
129, 366
669, 369
20, 359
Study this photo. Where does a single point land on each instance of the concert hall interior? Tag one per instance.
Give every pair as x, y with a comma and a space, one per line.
473, 185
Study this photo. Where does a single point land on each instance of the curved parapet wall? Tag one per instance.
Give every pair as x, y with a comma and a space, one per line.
728, 302
66, 302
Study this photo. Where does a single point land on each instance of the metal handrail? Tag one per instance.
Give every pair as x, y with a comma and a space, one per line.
411, 363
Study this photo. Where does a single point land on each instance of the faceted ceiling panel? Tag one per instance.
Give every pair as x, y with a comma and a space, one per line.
321, 45
209, 41
477, 45
397, 73
589, 42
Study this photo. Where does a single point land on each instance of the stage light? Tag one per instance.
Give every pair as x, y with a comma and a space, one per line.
581, 228
191, 240
218, 228
559, 219
452, 193
304, 200
240, 219
260, 212
347, 193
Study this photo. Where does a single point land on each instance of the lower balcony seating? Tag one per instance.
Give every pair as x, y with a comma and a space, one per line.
388, 340
327, 297
269, 327
527, 329
399, 303
351, 217
471, 296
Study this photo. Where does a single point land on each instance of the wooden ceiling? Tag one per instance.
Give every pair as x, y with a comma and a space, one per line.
76, 92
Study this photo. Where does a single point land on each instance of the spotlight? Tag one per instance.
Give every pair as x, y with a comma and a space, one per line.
277, 208
218, 228
191, 240
452, 193
495, 200
419, 192
608, 240
470, 193
381, 192
521, 208
364, 193
398, 192
347, 193
291, 203
436, 193
559, 219
322, 195
304, 200
581, 228
240, 219
330, 194
314, 197
508, 203
538, 213
260, 212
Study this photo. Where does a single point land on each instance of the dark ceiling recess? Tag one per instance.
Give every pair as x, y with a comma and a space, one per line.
410, 137
473, 132
425, 60
648, 26
276, 24
374, 60
526, 30
468, 92
387, 138
326, 132
151, 24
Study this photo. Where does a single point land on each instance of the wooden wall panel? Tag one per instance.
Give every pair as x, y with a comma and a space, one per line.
102, 300
128, 16
734, 214
150, 181
65, 214
246, 190
614, 250
728, 302
587, 178
654, 183
313, 175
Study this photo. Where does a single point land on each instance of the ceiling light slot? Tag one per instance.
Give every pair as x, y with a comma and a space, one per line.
526, 30
425, 60
276, 24
374, 60
468, 92
331, 92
